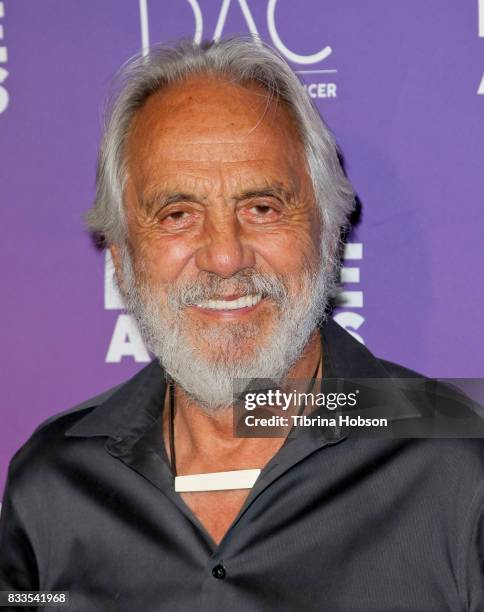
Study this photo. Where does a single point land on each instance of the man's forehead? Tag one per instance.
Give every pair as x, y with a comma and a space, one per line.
209, 114
205, 156
222, 138
200, 94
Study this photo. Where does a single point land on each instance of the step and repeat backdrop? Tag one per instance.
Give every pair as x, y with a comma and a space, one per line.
401, 85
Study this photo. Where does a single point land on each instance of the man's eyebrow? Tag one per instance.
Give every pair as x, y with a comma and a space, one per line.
278, 191
161, 197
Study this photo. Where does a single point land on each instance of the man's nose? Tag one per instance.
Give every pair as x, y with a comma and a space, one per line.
224, 251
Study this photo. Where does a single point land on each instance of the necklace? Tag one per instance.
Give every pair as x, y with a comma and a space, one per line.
214, 481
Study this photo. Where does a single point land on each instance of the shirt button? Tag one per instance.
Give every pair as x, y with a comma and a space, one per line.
218, 572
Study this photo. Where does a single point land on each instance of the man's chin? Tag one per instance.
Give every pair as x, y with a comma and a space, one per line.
228, 357
230, 350
236, 336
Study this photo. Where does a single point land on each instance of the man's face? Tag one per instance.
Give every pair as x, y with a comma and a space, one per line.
222, 222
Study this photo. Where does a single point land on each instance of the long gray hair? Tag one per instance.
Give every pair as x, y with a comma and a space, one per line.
242, 60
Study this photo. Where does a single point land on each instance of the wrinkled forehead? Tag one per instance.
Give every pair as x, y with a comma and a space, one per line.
206, 119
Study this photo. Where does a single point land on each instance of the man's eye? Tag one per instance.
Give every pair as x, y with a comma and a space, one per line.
262, 213
176, 215
262, 209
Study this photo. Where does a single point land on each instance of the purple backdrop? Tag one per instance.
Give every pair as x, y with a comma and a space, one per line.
400, 83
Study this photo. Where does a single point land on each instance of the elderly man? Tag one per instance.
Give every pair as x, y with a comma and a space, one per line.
221, 198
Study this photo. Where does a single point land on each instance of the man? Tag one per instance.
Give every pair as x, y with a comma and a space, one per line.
222, 200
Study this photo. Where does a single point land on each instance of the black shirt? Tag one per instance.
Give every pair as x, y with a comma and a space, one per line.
331, 524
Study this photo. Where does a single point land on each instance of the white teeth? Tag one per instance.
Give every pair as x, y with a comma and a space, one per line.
242, 302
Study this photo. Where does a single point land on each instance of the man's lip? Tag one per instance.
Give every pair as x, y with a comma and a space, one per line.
227, 314
228, 298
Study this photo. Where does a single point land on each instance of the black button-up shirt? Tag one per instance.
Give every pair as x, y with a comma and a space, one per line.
339, 525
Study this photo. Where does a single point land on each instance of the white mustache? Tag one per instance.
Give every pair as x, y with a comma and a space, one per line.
214, 287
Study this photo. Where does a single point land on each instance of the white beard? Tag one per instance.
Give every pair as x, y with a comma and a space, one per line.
209, 380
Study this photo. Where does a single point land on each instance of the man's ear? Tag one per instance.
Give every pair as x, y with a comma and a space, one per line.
115, 251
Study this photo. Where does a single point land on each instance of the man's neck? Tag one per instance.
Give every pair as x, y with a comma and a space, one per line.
204, 440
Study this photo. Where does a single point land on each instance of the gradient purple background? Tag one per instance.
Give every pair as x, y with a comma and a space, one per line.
407, 117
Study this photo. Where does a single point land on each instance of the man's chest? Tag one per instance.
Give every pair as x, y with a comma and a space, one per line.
314, 539
216, 510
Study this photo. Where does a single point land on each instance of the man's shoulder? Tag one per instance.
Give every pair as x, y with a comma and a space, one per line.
84, 428
46, 444
66, 418
347, 357
62, 421
46, 437
395, 370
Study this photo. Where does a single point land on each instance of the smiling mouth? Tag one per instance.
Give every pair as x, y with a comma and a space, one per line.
246, 301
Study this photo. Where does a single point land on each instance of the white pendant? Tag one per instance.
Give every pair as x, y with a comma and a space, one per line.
217, 481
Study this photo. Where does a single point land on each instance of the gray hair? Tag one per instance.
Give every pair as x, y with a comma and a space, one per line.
241, 60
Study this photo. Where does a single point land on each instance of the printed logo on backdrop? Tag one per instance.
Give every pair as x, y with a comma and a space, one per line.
126, 341
318, 77
3, 61
350, 300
